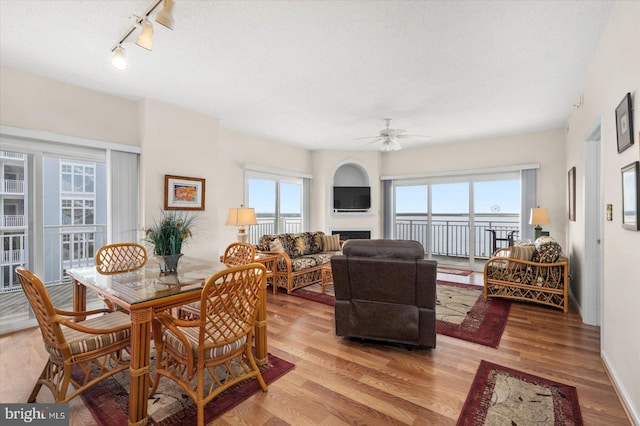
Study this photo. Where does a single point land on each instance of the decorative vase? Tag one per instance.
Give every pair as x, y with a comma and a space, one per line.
169, 263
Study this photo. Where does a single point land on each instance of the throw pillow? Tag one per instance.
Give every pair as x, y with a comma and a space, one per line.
276, 245
331, 242
522, 251
549, 252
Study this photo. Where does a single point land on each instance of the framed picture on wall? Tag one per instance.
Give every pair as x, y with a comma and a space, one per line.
624, 123
572, 194
630, 198
183, 193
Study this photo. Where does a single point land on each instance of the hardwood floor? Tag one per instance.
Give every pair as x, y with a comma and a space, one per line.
337, 381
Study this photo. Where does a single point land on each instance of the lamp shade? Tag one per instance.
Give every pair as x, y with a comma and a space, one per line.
539, 216
165, 16
145, 39
241, 216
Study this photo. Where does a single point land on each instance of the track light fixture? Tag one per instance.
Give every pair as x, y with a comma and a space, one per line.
117, 58
145, 39
165, 17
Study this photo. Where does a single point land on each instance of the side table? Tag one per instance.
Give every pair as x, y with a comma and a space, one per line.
327, 277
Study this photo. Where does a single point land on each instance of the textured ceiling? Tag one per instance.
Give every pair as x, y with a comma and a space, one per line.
320, 74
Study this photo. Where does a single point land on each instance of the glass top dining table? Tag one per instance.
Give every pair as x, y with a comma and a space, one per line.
144, 293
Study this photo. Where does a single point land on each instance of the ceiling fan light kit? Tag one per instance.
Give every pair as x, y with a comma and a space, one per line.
145, 39
389, 137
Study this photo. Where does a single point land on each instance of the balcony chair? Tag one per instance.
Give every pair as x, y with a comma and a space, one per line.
385, 290
118, 258
217, 345
98, 342
236, 254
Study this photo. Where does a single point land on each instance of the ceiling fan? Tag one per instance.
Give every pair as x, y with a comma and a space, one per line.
389, 137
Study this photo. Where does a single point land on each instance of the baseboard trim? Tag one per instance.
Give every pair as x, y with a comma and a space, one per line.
633, 416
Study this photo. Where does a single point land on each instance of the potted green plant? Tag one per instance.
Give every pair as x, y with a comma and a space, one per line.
167, 236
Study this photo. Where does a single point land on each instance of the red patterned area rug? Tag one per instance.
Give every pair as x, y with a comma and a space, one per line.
503, 396
108, 401
461, 311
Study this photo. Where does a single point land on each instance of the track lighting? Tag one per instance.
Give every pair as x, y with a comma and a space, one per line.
117, 58
145, 39
165, 17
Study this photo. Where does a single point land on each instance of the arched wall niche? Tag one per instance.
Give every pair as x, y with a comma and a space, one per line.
349, 173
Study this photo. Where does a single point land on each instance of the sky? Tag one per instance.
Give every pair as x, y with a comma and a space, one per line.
489, 197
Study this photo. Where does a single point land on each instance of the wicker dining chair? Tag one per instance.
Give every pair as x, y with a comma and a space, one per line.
120, 257
95, 345
217, 345
239, 254
235, 254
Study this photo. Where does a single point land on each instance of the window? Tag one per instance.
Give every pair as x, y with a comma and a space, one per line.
77, 177
77, 211
278, 204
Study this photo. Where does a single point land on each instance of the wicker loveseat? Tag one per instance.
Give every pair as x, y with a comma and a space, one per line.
536, 273
301, 257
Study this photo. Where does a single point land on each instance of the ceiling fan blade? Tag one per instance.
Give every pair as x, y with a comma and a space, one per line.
369, 137
413, 136
371, 143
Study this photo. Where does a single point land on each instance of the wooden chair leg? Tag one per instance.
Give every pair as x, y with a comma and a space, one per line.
38, 385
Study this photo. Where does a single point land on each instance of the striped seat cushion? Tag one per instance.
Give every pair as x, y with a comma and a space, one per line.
80, 342
192, 336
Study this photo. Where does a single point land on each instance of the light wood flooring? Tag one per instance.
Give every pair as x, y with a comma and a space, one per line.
341, 382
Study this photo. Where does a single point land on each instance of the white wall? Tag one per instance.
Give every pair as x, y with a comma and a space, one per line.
32, 102
545, 148
614, 71
181, 143
325, 163
237, 148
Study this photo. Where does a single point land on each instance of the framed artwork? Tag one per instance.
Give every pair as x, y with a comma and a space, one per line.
624, 123
630, 198
183, 193
572, 194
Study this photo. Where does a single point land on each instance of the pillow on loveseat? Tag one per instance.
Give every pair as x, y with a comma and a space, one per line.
522, 250
331, 242
547, 250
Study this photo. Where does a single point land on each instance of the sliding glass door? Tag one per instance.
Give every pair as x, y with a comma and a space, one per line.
458, 221
53, 218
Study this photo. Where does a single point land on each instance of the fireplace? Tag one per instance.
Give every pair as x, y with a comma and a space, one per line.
353, 235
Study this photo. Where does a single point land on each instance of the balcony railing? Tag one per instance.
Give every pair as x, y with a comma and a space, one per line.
12, 186
267, 225
12, 155
13, 221
449, 234
65, 246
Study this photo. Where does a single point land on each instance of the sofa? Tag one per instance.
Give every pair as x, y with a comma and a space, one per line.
385, 290
301, 257
532, 272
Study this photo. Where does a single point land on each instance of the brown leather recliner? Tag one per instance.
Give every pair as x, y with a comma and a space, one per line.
385, 290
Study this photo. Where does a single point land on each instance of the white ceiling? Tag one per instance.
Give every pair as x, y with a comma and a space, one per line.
319, 74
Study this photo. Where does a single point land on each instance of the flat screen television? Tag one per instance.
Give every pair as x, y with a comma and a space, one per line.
351, 198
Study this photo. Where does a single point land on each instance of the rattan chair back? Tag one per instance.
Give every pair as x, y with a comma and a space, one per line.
95, 346
239, 254
120, 257
43, 309
216, 347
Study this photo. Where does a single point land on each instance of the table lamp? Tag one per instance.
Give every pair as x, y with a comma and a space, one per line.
539, 216
241, 217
